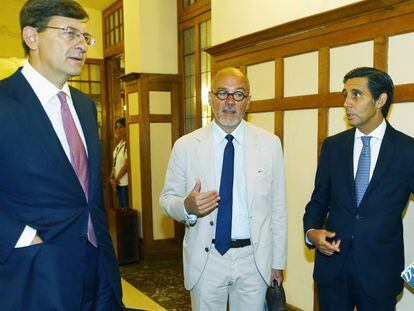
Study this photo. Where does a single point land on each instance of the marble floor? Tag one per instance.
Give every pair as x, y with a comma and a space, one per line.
161, 280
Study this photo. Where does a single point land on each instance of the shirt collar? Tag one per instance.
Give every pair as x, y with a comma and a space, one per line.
43, 88
219, 134
378, 133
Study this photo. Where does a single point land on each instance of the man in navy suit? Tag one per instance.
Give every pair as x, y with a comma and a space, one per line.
55, 248
354, 218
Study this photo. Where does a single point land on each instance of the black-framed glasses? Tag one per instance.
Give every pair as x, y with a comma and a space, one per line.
237, 95
71, 34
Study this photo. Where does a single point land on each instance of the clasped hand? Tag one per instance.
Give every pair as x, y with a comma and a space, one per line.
323, 241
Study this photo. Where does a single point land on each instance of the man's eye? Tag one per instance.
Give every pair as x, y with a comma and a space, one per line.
70, 34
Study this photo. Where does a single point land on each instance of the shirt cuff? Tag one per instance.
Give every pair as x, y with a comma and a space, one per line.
307, 238
26, 238
191, 218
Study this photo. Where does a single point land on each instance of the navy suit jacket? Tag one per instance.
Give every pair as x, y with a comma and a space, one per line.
374, 230
39, 188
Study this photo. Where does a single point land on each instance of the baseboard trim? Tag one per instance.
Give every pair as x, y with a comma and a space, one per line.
293, 308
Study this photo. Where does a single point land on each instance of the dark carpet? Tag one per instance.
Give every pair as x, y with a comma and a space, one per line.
161, 280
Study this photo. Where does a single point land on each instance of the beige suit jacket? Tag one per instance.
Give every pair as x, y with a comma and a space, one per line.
192, 158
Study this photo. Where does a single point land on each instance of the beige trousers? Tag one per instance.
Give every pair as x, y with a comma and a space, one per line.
231, 278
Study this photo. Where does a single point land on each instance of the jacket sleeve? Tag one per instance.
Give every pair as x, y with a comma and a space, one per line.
10, 232
279, 219
174, 193
318, 207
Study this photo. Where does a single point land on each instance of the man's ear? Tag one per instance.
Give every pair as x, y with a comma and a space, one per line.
382, 99
30, 37
249, 99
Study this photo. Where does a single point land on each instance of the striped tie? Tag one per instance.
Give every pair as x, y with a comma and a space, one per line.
362, 174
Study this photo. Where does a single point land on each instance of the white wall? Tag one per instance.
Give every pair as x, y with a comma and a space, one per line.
151, 43
236, 18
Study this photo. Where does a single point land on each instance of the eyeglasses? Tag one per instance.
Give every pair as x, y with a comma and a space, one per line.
71, 34
237, 95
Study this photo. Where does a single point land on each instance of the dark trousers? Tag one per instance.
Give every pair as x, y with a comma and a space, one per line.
346, 293
97, 294
122, 196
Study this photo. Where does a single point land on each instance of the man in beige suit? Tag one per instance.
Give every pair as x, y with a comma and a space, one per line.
226, 182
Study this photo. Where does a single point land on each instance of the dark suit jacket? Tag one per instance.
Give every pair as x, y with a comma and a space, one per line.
39, 188
374, 230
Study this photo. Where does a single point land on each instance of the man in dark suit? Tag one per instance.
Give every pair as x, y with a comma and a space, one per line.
55, 248
354, 218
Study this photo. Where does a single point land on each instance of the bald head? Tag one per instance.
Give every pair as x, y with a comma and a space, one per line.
230, 72
229, 98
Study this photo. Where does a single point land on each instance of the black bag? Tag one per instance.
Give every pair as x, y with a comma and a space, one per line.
275, 298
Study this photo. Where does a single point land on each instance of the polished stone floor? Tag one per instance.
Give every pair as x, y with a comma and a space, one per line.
160, 280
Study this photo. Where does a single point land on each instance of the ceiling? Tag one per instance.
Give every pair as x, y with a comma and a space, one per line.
97, 4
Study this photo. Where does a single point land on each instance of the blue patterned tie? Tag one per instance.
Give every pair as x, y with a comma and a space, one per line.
362, 174
223, 228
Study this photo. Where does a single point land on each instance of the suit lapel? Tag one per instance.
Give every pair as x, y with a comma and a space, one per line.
32, 117
348, 154
251, 161
206, 157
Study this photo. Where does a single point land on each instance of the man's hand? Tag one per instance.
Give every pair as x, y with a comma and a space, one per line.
36, 240
278, 276
320, 239
113, 181
201, 203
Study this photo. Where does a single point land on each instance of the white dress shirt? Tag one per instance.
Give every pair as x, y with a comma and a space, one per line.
240, 212
46, 92
375, 144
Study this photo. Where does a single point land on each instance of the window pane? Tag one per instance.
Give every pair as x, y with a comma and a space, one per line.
117, 35
75, 84
116, 23
189, 41
205, 41
95, 72
111, 23
112, 37
84, 87
95, 88
85, 72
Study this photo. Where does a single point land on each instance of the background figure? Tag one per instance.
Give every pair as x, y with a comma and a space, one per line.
363, 181
55, 248
226, 182
119, 173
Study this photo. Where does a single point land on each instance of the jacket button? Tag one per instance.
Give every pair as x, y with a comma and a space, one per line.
206, 249
211, 223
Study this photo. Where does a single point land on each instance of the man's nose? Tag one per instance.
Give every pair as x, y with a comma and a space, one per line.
81, 44
347, 102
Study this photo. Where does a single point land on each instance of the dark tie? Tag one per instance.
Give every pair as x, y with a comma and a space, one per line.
362, 174
223, 228
78, 157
